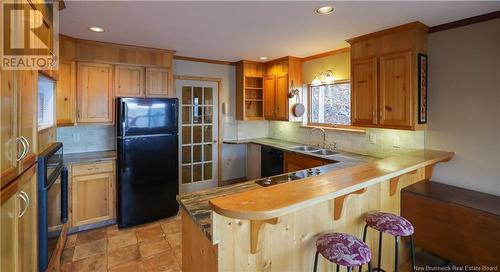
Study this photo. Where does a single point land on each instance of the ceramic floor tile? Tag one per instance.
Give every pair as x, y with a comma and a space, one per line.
178, 254
150, 248
113, 230
135, 266
89, 249
122, 240
123, 255
70, 240
92, 263
174, 239
171, 227
152, 232
161, 262
91, 235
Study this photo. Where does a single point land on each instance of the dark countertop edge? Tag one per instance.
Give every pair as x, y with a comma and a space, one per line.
89, 157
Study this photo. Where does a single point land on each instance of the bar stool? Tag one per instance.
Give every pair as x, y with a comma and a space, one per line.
342, 249
394, 225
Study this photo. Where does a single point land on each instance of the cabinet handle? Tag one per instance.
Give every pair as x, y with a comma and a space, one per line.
26, 200
27, 146
23, 153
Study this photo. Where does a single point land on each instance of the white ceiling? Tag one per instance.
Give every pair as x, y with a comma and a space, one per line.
247, 30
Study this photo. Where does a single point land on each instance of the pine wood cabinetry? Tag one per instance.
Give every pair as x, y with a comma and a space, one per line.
19, 224
66, 93
129, 81
92, 193
249, 90
281, 76
294, 162
384, 77
95, 93
159, 82
18, 123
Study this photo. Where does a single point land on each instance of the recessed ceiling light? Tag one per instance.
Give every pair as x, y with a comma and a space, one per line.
96, 29
324, 10
263, 58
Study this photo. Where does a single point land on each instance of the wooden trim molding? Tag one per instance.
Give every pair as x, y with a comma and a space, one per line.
413, 25
222, 62
327, 54
339, 203
255, 226
466, 21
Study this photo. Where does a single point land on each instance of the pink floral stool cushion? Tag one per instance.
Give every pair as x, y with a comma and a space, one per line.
390, 223
343, 249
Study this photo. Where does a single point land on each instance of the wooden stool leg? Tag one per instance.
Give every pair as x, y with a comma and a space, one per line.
316, 261
412, 252
364, 240
396, 257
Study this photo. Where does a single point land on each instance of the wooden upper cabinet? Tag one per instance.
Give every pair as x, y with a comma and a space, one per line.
95, 92
364, 91
9, 135
395, 92
66, 93
129, 81
159, 82
281, 101
269, 96
383, 76
27, 120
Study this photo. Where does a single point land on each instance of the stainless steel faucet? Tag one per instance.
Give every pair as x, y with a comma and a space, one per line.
324, 134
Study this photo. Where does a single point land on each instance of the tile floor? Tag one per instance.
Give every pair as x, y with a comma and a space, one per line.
155, 246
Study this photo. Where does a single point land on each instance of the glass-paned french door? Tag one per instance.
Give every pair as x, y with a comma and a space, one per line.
199, 134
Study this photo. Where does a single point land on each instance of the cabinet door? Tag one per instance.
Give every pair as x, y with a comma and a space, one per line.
9, 208
28, 222
281, 97
66, 93
364, 92
9, 149
129, 81
294, 162
395, 90
158, 83
92, 198
28, 123
95, 92
269, 97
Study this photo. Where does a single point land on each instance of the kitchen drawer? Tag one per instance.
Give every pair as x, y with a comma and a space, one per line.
92, 168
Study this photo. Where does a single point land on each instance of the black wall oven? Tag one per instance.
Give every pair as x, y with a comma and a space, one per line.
52, 201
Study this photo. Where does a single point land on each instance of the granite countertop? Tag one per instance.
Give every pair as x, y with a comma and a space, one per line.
197, 206
88, 157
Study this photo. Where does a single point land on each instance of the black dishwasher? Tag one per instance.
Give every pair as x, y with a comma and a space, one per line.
271, 162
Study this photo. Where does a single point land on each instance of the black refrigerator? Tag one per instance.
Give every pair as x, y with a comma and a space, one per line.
147, 167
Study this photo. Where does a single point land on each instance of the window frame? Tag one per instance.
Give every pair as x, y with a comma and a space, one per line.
309, 107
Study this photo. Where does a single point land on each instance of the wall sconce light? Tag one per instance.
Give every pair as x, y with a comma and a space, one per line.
323, 78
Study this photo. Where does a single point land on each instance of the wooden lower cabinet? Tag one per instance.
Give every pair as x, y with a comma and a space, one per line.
293, 162
92, 193
19, 224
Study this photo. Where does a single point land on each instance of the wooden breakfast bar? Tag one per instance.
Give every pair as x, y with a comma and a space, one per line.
274, 228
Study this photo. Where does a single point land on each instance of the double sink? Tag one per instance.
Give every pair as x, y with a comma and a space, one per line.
314, 150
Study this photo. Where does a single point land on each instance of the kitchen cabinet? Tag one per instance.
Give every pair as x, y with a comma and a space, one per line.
19, 224
281, 76
95, 93
159, 82
384, 77
66, 93
129, 81
294, 162
18, 122
92, 193
249, 90
364, 91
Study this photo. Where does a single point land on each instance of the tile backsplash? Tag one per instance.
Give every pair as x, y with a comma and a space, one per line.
375, 142
87, 138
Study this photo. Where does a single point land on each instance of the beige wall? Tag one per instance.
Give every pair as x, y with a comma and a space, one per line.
464, 105
340, 64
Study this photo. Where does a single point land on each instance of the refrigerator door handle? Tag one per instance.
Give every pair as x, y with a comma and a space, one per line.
124, 113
